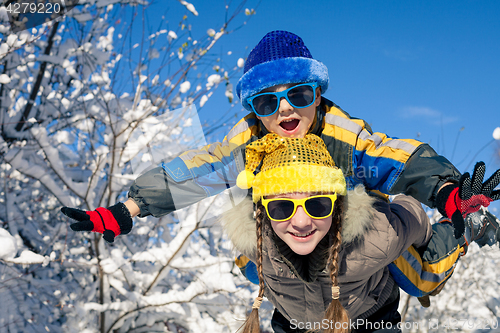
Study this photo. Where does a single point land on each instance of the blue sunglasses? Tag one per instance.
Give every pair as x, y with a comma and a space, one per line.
299, 96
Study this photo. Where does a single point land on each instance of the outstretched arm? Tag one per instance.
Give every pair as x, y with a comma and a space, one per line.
186, 180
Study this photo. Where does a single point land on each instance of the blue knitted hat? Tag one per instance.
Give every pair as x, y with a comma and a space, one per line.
280, 58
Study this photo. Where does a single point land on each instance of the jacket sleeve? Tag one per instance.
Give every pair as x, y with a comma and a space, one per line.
194, 175
419, 271
409, 223
386, 164
423, 174
152, 192
395, 166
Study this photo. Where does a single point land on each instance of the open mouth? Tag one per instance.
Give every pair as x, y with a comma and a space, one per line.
289, 124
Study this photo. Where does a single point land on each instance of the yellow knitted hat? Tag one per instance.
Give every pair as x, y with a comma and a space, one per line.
290, 165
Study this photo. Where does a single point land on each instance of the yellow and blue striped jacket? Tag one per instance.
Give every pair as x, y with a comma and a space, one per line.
384, 165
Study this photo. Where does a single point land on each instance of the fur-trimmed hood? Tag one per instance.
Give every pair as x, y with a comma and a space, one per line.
239, 222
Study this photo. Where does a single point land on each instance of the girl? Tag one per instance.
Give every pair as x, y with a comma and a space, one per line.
321, 251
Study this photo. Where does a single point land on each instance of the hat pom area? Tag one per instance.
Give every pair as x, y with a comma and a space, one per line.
245, 179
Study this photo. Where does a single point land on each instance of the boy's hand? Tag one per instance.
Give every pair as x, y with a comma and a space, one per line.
457, 201
110, 222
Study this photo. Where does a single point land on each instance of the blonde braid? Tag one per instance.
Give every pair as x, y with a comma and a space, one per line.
259, 221
333, 258
252, 324
335, 313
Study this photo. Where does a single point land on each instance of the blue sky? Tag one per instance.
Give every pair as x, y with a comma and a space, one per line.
412, 69
428, 70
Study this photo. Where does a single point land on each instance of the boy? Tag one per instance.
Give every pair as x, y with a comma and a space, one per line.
282, 86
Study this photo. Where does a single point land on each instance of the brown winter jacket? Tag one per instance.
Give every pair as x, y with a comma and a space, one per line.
374, 234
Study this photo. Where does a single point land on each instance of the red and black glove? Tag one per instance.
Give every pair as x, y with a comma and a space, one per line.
110, 222
457, 201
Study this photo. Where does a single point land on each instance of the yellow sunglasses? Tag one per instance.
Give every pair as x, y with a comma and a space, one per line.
283, 209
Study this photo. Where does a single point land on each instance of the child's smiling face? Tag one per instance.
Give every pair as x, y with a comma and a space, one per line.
301, 232
289, 121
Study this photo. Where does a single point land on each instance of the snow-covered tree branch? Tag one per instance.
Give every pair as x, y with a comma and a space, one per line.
85, 102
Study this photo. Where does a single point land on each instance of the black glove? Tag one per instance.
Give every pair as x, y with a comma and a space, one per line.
110, 222
457, 201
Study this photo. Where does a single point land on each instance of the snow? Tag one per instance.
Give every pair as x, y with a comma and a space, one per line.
241, 62
496, 133
155, 79
171, 35
213, 80
203, 100
4, 78
28, 258
229, 92
218, 35
189, 7
11, 40
8, 248
185, 86
4, 48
